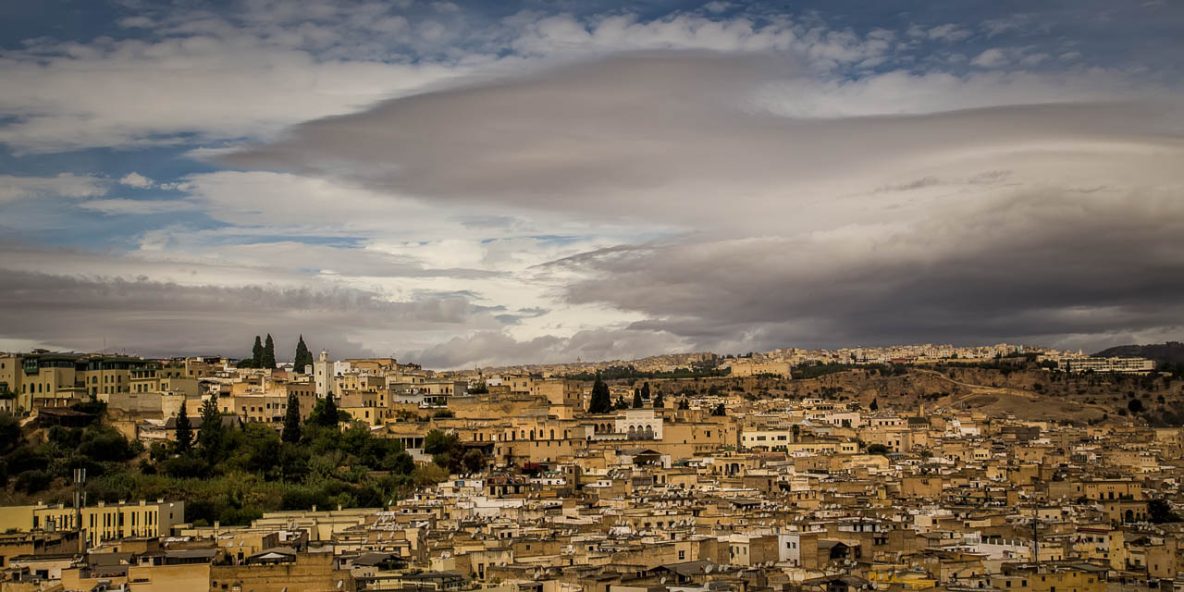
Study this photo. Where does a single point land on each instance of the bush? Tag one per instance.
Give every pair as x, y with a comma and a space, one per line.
32, 482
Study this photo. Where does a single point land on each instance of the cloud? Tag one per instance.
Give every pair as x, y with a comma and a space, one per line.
492, 348
164, 318
136, 180
234, 85
806, 228
69, 185
664, 136
991, 58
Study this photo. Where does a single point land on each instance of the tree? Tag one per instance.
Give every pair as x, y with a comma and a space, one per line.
184, 431
212, 437
473, 461
303, 357
325, 413
637, 402
268, 360
1159, 511
645, 391
1135, 406
601, 401
719, 410
875, 406
683, 403
877, 449
659, 401
257, 353
291, 431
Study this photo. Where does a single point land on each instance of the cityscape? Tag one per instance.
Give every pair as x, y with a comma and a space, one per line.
591, 296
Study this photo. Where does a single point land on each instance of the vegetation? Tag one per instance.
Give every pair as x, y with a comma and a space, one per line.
268, 359
184, 441
448, 453
230, 475
303, 357
601, 401
698, 370
291, 432
806, 371
1159, 511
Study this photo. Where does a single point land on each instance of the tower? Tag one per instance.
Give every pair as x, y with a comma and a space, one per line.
322, 372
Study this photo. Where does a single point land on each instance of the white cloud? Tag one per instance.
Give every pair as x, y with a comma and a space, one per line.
136, 180
121, 206
991, 58
13, 188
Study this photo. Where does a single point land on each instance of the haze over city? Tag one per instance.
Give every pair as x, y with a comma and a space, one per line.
473, 184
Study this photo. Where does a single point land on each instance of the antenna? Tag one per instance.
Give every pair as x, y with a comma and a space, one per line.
79, 481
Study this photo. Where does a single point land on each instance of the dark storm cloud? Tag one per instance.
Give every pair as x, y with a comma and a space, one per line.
1045, 268
159, 318
1042, 214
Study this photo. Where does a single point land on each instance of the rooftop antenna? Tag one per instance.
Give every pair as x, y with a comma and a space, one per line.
79, 481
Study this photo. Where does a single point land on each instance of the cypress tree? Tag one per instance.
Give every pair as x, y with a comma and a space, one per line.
325, 413
211, 438
601, 401
184, 431
291, 431
268, 354
875, 406
637, 402
257, 353
645, 391
659, 401
303, 356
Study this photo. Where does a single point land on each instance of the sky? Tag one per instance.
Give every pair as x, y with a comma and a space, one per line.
474, 184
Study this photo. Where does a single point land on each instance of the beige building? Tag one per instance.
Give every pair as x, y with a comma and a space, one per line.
101, 522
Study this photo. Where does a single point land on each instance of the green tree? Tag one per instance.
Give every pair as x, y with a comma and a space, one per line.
184, 431
473, 461
645, 391
325, 413
875, 406
638, 403
659, 401
1135, 406
877, 449
303, 356
257, 353
268, 360
1159, 511
10, 432
601, 401
291, 433
720, 410
212, 437
683, 403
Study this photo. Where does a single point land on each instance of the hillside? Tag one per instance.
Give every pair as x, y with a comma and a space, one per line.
1171, 352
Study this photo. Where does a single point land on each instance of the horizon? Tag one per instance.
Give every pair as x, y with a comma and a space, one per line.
467, 184
283, 360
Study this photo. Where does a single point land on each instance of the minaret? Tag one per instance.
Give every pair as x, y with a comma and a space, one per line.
322, 372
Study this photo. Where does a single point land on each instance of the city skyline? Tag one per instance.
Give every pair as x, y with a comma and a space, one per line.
462, 185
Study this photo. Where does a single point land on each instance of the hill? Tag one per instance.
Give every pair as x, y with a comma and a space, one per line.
1171, 352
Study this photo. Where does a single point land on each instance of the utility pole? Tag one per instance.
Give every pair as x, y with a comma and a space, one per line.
1035, 530
79, 481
